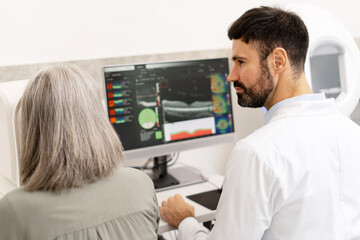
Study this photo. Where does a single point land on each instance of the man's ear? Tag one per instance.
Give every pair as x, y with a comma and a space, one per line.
279, 59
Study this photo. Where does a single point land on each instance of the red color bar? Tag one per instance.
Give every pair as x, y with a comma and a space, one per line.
184, 135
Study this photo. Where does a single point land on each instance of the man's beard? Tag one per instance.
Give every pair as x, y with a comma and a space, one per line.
257, 95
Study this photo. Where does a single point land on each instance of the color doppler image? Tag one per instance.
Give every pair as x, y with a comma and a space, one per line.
218, 83
220, 104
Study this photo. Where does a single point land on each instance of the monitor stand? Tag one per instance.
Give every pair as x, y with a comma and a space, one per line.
160, 175
174, 177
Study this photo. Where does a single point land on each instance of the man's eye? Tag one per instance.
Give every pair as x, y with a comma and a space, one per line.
240, 62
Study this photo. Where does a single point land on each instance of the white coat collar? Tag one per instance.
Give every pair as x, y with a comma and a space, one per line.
305, 97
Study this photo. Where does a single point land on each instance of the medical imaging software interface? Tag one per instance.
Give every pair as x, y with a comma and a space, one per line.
159, 103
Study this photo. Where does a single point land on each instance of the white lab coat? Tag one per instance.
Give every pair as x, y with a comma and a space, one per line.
295, 178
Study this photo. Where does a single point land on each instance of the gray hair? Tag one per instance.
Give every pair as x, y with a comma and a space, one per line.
66, 139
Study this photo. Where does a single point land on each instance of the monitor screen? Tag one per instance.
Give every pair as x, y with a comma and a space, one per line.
159, 108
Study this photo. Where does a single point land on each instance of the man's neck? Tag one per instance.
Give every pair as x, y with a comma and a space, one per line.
288, 88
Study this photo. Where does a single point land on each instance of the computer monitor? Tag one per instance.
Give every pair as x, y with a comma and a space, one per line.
165, 107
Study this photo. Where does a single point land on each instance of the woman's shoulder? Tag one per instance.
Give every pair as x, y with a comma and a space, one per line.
12, 202
138, 186
132, 173
128, 177
13, 196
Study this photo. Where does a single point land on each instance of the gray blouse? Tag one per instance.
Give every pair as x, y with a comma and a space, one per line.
123, 206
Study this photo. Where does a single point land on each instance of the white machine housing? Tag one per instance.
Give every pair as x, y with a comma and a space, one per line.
332, 65
10, 93
332, 51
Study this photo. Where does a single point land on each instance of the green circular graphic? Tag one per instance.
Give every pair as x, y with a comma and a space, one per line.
147, 118
222, 124
219, 104
218, 84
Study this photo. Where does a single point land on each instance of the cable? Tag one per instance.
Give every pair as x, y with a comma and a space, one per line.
176, 156
145, 166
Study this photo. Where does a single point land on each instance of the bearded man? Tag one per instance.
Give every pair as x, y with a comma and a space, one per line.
297, 177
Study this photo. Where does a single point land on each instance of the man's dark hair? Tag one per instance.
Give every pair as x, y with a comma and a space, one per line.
271, 27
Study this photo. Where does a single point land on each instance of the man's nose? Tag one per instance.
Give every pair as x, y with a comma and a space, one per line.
233, 76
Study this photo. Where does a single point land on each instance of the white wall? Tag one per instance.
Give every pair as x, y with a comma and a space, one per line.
39, 31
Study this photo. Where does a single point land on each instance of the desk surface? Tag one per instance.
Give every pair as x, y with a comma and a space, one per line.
202, 214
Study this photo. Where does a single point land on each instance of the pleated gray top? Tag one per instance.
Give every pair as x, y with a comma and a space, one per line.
123, 206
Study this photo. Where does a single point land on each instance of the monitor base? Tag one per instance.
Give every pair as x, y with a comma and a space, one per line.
165, 181
184, 175
165, 178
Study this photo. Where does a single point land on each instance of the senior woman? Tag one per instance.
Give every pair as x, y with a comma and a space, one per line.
73, 183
